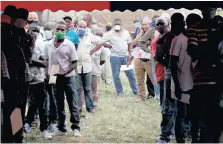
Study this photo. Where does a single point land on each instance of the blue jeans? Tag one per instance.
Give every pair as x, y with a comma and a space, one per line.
155, 84
116, 63
67, 85
84, 81
168, 110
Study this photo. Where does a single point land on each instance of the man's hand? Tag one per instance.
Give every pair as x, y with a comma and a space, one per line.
178, 93
129, 60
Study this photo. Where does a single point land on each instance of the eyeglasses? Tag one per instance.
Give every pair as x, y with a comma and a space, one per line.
37, 31
59, 29
160, 24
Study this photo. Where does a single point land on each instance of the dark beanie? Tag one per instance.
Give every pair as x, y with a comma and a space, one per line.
11, 11
22, 13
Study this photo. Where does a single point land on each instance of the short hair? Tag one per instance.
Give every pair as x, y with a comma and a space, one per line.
117, 19
87, 15
81, 21
53, 24
62, 22
192, 19
67, 17
177, 17
161, 18
11, 11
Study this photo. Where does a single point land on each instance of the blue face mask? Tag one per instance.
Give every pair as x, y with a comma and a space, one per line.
137, 25
153, 25
81, 32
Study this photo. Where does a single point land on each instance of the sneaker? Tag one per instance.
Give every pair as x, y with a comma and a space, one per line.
149, 97
92, 111
27, 128
46, 135
52, 127
77, 133
60, 133
161, 141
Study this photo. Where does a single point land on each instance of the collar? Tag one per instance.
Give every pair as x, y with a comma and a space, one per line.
5, 19
64, 43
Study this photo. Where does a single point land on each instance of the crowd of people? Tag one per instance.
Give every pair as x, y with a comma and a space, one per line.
41, 68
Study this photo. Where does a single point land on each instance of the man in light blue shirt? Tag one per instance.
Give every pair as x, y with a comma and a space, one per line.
71, 34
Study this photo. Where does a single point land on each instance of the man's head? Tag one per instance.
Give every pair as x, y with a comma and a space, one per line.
208, 12
137, 22
153, 23
217, 21
161, 25
11, 12
193, 20
108, 27
34, 30
145, 25
177, 23
88, 19
33, 18
68, 21
60, 30
99, 32
21, 18
117, 24
81, 28
49, 30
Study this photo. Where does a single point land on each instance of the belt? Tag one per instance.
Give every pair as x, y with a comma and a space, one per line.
144, 60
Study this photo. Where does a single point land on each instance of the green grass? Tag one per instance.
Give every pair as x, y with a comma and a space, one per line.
117, 120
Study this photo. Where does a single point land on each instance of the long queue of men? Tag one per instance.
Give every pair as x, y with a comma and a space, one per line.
185, 62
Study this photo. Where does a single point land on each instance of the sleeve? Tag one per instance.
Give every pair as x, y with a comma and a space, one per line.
46, 51
76, 39
73, 53
129, 37
149, 35
175, 47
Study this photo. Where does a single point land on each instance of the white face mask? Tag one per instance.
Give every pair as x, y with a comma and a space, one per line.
117, 28
48, 35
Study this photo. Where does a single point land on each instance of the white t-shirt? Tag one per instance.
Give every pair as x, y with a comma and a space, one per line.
62, 56
179, 48
37, 73
119, 42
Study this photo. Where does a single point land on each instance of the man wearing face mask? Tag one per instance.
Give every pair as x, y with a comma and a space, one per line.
142, 66
37, 86
84, 66
98, 58
50, 88
33, 19
26, 43
62, 52
12, 75
106, 74
168, 106
71, 34
121, 43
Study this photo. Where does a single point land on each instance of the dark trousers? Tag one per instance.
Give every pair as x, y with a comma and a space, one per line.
161, 83
84, 81
38, 94
205, 114
67, 85
8, 105
51, 102
181, 122
168, 110
150, 86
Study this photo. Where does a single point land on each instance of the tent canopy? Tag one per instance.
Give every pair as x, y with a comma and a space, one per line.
107, 5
